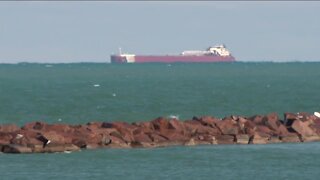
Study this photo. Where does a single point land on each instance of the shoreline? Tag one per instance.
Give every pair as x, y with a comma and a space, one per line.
40, 137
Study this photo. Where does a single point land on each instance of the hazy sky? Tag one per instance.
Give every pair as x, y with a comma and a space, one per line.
91, 31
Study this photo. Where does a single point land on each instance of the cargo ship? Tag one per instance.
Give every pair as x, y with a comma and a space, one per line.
218, 53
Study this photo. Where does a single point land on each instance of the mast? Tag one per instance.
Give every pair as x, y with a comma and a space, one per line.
120, 51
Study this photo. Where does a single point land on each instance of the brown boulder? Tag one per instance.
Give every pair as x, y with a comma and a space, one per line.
176, 125
194, 127
6, 137
59, 128
142, 137
157, 138
53, 148
259, 139
228, 127
291, 137
7, 128
302, 128
126, 130
249, 128
242, 139
34, 126
272, 121
160, 123
257, 119
146, 127
173, 135
13, 148
264, 130
225, 139
208, 121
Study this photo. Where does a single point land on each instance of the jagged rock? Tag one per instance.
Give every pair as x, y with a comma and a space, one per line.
5, 137
195, 127
302, 128
142, 137
291, 137
176, 125
14, 148
5, 128
242, 139
225, 139
42, 137
34, 126
172, 135
257, 119
160, 123
208, 121
228, 127
272, 121
259, 139
157, 138
126, 130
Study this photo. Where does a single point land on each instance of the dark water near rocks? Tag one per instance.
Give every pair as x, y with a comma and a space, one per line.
79, 93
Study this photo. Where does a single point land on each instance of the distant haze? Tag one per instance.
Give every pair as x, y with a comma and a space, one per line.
91, 31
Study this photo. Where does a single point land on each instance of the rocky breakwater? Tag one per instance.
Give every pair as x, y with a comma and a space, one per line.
40, 137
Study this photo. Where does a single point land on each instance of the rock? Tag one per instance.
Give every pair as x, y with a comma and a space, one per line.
259, 139
228, 127
42, 137
257, 119
225, 139
126, 130
289, 118
272, 121
5, 137
291, 137
53, 148
13, 148
142, 137
208, 121
81, 143
191, 142
176, 125
34, 126
8, 128
312, 138
206, 139
157, 138
264, 130
173, 135
59, 128
249, 128
302, 128
107, 125
242, 139
194, 127
160, 123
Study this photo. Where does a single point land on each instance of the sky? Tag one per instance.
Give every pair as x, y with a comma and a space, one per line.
82, 31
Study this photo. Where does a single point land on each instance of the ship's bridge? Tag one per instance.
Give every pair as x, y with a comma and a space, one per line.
220, 50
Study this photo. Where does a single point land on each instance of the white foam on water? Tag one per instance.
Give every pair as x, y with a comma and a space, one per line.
96, 85
114, 94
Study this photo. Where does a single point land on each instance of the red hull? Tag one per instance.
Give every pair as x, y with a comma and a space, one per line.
169, 59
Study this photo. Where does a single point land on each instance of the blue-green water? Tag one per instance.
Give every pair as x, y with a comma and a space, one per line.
79, 93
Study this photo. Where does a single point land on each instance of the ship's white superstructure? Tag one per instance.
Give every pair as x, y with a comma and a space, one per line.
219, 50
